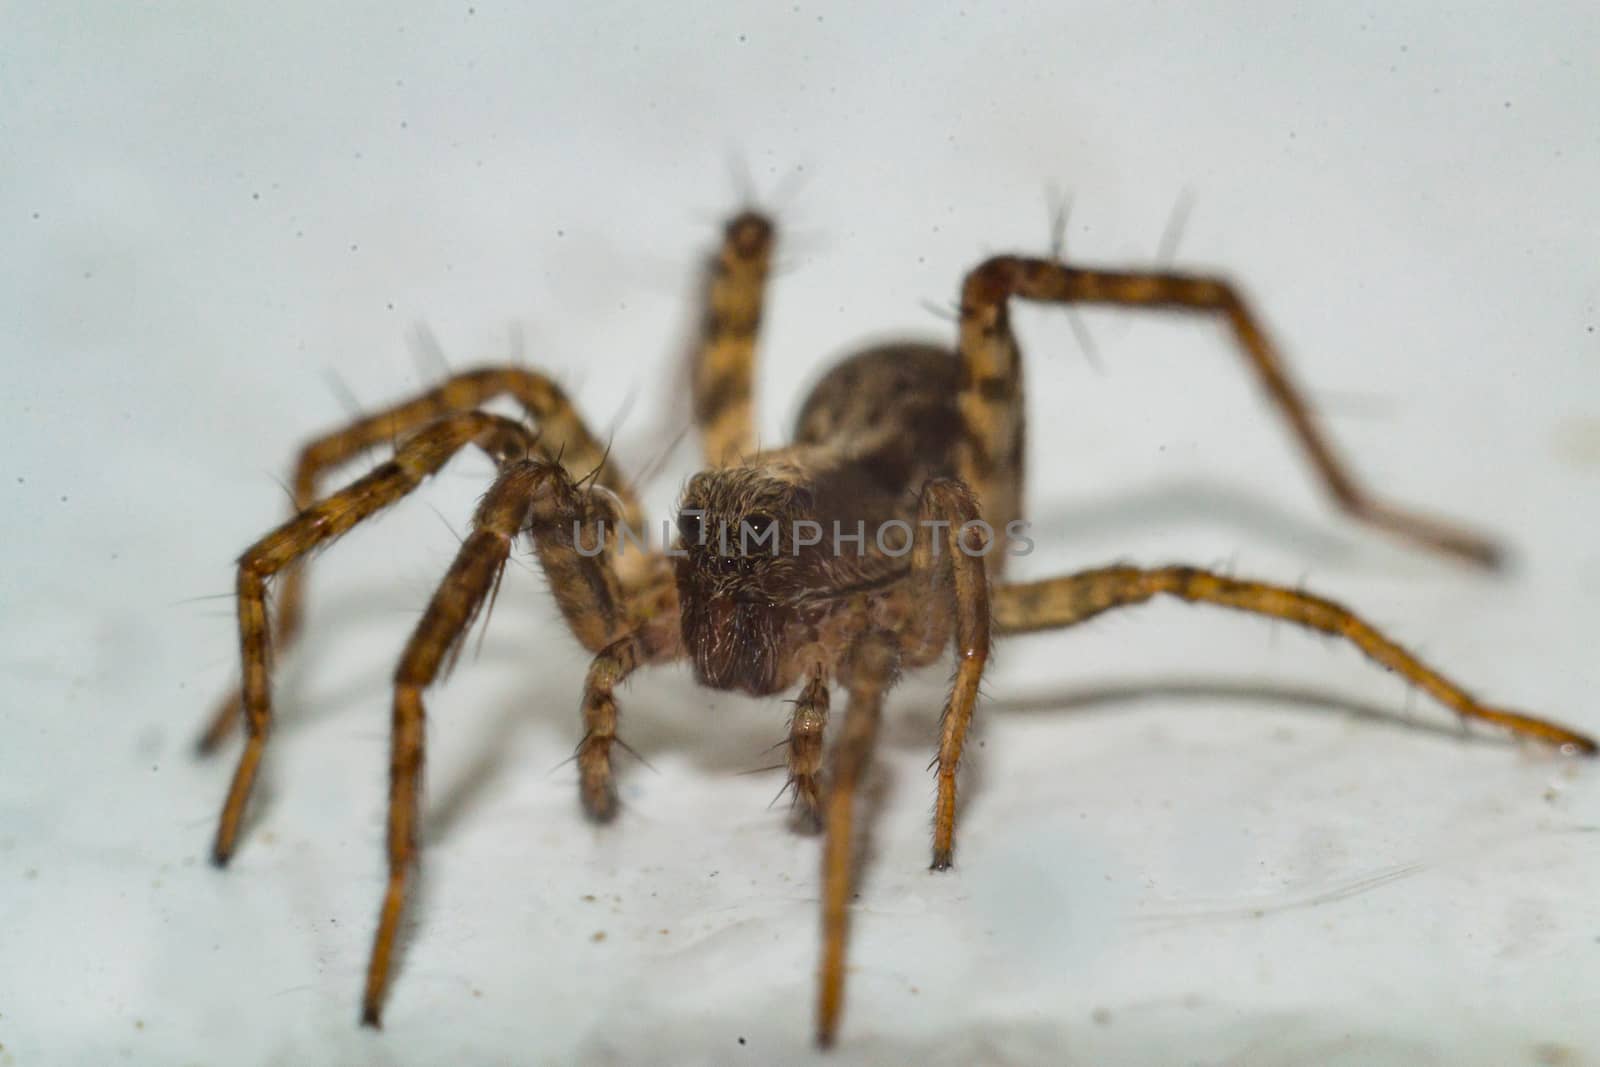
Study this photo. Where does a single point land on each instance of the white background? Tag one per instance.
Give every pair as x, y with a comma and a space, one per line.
1188, 836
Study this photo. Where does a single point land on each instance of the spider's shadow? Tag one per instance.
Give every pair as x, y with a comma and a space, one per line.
1115, 694
724, 735
1332, 540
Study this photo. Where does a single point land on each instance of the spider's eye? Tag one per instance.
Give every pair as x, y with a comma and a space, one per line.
692, 526
758, 533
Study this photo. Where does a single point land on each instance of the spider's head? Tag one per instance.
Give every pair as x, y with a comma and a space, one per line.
740, 572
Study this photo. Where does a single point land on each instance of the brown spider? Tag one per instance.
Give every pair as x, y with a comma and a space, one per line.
915, 440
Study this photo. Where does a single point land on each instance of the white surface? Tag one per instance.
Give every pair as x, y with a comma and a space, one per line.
1188, 837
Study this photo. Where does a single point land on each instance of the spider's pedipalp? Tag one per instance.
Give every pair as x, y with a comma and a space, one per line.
807, 724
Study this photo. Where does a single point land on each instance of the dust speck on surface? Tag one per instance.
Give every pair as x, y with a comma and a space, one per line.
1553, 1052
597, 936
1576, 441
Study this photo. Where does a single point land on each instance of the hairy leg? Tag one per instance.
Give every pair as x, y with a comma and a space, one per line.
724, 359
655, 639
871, 671
317, 525
1060, 602
952, 590
806, 728
597, 788
561, 433
533, 496
990, 399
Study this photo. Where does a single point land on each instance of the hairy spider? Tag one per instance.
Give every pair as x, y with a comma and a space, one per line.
914, 437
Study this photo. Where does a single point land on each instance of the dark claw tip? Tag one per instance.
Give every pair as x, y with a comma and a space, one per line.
806, 822
370, 1017
602, 809
942, 858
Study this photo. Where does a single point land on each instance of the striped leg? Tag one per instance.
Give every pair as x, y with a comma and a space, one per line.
874, 664
991, 393
724, 361
317, 525
806, 727
561, 432
950, 581
534, 496
1060, 602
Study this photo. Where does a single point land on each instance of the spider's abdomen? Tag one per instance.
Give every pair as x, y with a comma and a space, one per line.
905, 393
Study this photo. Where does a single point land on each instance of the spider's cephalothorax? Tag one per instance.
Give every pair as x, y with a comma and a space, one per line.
838, 560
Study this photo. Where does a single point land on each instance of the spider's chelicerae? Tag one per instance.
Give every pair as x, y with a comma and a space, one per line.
918, 446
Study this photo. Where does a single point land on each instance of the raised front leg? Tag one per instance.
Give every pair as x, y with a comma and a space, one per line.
991, 393
724, 359
1060, 602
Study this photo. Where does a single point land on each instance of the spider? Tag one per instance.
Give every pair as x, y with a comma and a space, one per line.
917, 438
